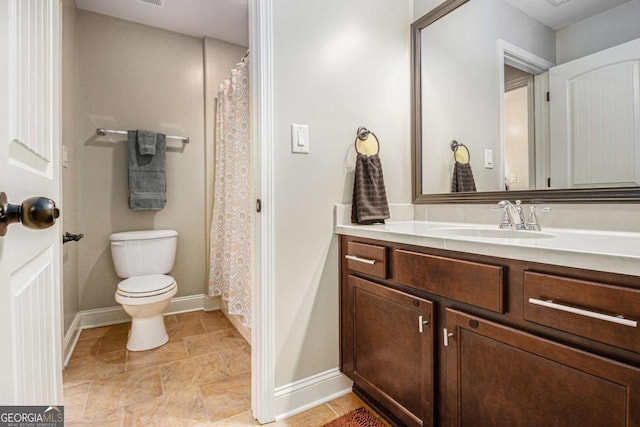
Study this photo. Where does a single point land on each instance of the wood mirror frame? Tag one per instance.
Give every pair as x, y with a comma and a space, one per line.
565, 195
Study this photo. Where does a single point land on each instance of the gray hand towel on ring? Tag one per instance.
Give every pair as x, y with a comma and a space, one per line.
462, 180
369, 204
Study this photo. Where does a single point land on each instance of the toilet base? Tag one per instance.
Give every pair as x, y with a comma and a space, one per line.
148, 330
147, 333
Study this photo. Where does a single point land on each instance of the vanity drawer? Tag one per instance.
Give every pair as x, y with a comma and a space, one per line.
470, 282
367, 259
593, 310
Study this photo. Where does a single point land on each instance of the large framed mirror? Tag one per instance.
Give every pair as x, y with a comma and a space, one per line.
545, 109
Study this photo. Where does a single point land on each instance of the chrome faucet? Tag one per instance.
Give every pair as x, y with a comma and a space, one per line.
513, 216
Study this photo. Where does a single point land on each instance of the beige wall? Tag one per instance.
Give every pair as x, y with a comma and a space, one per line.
131, 76
338, 65
69, 175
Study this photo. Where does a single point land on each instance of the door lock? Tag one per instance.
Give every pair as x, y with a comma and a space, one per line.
36, 213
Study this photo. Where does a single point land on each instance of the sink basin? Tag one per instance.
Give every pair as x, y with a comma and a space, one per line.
493, 233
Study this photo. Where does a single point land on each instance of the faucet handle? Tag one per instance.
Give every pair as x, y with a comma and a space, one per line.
532, 220
506, 222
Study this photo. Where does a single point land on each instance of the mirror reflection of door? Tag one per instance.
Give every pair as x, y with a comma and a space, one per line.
595, 119
519, 138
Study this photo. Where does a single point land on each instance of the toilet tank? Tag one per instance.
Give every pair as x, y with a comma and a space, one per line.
140, 253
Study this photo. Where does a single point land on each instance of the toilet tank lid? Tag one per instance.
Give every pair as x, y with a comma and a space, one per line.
142, 235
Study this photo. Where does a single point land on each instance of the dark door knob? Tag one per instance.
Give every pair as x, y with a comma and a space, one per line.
36, 213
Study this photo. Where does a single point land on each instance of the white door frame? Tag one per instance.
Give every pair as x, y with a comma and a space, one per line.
262, 331
524, 60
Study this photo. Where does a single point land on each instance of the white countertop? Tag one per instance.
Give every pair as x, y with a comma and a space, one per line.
617, 252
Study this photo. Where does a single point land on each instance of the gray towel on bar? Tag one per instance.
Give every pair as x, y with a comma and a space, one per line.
147, 178
147, 142
462, 180
369, 204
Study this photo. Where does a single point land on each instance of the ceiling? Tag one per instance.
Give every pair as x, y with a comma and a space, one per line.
226, 20
565, 13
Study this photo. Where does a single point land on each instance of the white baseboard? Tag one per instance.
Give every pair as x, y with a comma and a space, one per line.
71, 339
211, 303
114, 315
307, 393
103, 317
186, 304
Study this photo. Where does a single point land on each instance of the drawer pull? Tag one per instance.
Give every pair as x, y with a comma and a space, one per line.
620, 320
357, 258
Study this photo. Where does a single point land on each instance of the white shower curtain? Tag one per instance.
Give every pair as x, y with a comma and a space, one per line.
230, 259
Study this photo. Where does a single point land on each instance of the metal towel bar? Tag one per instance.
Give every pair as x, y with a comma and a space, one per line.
103, 131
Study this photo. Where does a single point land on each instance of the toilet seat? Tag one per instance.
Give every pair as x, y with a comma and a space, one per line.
142, 286
141, 290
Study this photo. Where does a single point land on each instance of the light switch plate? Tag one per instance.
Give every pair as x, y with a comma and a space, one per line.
488, 159
299, 138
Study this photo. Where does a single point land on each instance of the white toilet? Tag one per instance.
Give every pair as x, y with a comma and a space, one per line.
144, 258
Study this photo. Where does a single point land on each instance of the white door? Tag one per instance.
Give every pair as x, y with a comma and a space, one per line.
30, 267
595, 119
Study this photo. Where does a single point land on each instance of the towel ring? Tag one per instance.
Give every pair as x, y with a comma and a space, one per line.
460, 152
366, 142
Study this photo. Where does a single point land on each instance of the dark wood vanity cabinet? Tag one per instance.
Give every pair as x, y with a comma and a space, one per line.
391, 348
500, 376
452, 339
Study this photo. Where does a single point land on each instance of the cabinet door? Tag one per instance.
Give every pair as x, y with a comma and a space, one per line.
498, 376
393, 350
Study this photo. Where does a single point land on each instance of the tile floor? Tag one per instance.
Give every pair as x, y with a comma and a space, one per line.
200, 377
